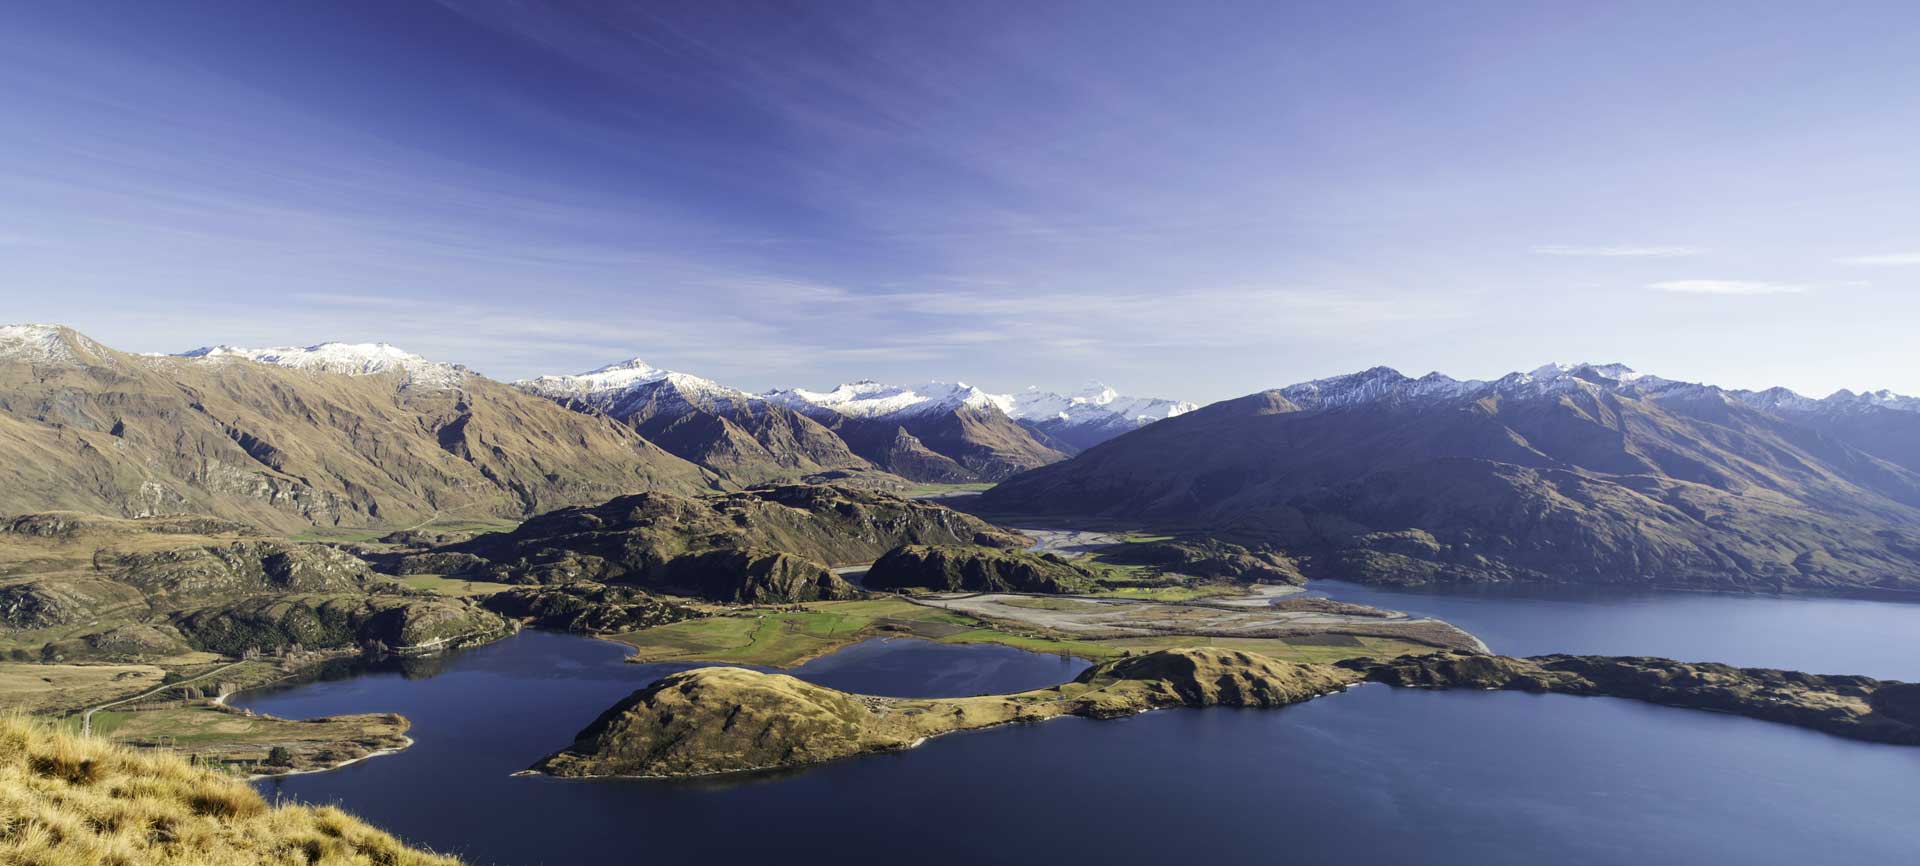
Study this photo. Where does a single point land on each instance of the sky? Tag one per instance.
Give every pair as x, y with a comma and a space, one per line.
1192, 200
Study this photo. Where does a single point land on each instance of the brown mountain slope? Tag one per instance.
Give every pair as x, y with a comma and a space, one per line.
956, 445
744, 438
1588, 484
762, 544
749, 442
84, 427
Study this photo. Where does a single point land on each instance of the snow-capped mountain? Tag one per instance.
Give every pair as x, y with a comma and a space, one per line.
1078, 420
347, 359
870, 399
622, 389
1568, 473
48, 345
1781, 399
727, 430
1387, 385
938, 431
1090, 416
1095, 404
289, 439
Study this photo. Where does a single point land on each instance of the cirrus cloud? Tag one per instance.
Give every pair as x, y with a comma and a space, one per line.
1727, 287
1886, 259
1615, 252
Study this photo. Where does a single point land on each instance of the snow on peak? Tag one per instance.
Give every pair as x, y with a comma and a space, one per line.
346, 359
869, 399
1378, 384
1842, 400
621, 389
612, 377
1095, 404
49, 345
1385, 384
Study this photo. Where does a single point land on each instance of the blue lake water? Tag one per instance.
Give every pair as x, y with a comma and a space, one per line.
1814, 634
1370, 776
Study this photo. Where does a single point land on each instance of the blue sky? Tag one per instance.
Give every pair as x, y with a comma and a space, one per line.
1195, 200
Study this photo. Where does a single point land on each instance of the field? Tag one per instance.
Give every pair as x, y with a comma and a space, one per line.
216, 735
363, 535
1183, 592
784, 638
453, 585
33, 688
931, 491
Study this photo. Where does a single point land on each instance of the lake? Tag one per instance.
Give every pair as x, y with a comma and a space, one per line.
1822, 635
1371, 775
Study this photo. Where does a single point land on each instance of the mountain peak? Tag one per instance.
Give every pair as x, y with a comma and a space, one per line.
867, 398
346, 359
620, 387
635, 364
49, 345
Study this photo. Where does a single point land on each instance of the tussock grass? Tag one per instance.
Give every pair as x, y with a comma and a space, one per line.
66, 800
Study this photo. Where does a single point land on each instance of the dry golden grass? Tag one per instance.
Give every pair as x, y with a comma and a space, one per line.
67, 800
32, 687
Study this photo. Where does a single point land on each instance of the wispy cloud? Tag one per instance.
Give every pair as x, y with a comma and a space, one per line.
1728, 287
1882, 260
1616, 252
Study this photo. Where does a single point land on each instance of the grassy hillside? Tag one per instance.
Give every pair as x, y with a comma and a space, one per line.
66, 800
86, 428
767, 544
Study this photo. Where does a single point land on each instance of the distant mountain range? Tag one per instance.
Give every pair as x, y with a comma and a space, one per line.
936, 432
1567, 473
334, 435
369, 434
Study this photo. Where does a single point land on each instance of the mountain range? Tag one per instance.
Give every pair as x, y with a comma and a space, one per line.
335, 435
1567, 473
367, 434
935, 432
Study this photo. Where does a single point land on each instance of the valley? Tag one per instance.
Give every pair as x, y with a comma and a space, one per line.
791, 578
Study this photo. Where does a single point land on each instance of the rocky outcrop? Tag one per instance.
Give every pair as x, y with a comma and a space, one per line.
72, 525
587, 607
444, 563
722, 720
948, 568
241, 568
48, 603
770, 544
753, 576
1208, 557
403, 624
1855, 707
